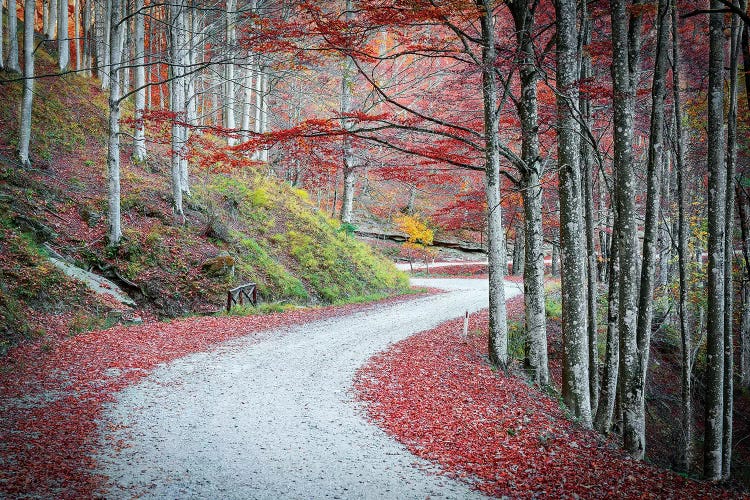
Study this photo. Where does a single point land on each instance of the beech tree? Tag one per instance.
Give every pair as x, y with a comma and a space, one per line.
139, 134
717, 182
624, 66
686, 392
347, 89
12, 64
531, 189
117, 28
63, 43
24, 134
576, 391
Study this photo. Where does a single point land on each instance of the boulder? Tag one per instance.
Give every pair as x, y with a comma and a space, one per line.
221, 265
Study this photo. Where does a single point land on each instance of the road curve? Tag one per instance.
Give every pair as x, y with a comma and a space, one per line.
275, 418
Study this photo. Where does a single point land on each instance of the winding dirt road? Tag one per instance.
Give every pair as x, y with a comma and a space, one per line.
275, 418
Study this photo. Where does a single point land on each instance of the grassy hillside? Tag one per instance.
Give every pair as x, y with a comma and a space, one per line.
240, 227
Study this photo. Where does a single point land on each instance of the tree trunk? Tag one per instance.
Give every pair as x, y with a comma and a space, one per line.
247, 102
229, 69
712, 468
113, 152
347, 106
731, 161
519, 255
744, 205
2, 37
45, 17
24, 135
53, 12
573, 255
63, 43
177, 94
653, 203
87, 10
630, 385
264, 112
498, 321
555, 258
139, 140
606, 403
682, 255
77, 32
13, 37
587, 173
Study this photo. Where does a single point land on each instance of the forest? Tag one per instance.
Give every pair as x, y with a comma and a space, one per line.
600, 145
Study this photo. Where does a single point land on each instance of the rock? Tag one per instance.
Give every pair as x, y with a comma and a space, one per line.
221, 265
95, 282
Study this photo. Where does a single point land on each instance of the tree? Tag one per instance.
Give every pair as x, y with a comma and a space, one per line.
713, 453
117, 28
587, 174
178, 101
2, 38
686, 392
498, 318
523, 12
13, 37
729, 292
419, 237
573, 287
139, 139
624, 40
28, 83
347, 106
653, 202
51, 32
63, 43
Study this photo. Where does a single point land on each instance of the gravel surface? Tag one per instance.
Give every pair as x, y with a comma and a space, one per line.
275, 418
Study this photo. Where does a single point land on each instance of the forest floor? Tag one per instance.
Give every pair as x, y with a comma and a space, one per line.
436, 393
277, 406
59, 408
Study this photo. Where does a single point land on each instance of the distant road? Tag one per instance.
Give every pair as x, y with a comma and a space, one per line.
404, 266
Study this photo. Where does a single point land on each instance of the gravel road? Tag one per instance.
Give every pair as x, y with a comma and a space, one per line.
275, 418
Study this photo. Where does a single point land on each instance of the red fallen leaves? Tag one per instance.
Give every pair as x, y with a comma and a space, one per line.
51, 398
435, 393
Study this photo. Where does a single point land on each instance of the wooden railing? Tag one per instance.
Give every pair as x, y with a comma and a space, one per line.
237, 296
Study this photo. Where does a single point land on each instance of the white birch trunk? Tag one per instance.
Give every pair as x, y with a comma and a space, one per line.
13, 37
28, 83
63, 44
113, 152
139, 134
